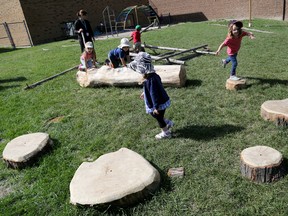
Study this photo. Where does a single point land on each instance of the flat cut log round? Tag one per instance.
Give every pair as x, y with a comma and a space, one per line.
119, 178
262, 164
275, 110
171, 75
23, 149
235, 84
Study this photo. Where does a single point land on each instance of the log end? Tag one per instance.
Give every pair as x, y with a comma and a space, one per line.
236, 84
262, 164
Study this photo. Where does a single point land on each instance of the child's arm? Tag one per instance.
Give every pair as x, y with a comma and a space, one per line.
219, 48
94, 59
250, 35
123, 62
85, 65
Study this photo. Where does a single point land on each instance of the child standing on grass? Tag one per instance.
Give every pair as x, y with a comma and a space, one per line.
233, 43
88, 57
154, 95
136, 36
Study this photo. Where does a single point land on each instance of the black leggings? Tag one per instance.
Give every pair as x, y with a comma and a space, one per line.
160, 118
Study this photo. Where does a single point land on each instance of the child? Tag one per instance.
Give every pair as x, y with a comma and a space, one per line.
88, 57
119, 55
136, 36
154, 95
233, 43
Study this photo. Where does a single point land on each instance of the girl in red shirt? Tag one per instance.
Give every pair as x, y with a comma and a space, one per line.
233, 43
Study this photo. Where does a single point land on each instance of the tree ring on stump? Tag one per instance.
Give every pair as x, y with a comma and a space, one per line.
262, 164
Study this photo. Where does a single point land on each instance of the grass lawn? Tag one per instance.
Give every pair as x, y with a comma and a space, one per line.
212, 125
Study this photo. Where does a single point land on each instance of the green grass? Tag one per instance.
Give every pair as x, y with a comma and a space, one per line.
212, 125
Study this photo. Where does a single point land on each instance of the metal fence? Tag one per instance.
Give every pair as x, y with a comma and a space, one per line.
15, 34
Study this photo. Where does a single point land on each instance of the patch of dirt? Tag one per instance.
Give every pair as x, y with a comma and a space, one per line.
4, 189
55, 120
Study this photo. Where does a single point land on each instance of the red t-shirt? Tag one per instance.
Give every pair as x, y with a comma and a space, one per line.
233, 44
136, 35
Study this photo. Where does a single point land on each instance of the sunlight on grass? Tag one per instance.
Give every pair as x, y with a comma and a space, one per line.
212, 125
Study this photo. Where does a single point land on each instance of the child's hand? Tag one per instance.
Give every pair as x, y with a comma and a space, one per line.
142, 96
155, 112
217, 52
252, 37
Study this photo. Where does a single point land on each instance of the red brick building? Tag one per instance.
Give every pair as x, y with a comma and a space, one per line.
199, 10
44, 19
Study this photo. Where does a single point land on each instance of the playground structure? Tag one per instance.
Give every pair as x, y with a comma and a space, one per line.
128, 17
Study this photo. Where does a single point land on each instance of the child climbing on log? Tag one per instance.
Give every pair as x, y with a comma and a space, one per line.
120, 55
155, 97
233, 43
88, 57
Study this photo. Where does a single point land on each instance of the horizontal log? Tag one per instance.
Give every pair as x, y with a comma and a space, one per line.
166, 59
171, 75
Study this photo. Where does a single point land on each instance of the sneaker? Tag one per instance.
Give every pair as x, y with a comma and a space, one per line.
164, 135
169, 123
224, 63
234, 78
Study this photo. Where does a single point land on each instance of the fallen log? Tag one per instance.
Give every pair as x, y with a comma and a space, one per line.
49, 78
181, 50
166, 59
171, 75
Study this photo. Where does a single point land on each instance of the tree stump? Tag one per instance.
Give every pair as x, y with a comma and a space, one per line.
262, 164
235, 84
171, 75
22, 150
120, 178
275, 110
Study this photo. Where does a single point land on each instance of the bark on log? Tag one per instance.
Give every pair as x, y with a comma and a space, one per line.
171, 75
275, 110
235, 85
262, 164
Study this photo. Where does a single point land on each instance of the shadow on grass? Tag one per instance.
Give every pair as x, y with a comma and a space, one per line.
203, 132
16, 79
7, 87
270, 82
4, 50
193, 83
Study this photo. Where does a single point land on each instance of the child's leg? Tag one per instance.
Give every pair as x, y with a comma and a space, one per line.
227, 60
234, 62
160, 119
89, 64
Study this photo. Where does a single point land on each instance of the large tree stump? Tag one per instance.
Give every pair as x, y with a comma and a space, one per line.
235, 84
262, 164
275, 110
24, 149
171, 75
119, 178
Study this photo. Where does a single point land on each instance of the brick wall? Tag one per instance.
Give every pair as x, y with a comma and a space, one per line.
44, 17
198, 10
